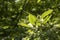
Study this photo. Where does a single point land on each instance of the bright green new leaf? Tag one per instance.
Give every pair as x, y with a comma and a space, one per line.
46, 13
23, 24
32, 19
38, 1
47, 19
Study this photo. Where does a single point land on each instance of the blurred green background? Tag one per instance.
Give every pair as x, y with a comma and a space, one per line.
29, 19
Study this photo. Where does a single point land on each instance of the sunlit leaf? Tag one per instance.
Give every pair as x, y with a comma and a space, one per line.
46, 13
32, 19
47, 19
38, 1
26, 25
23, 24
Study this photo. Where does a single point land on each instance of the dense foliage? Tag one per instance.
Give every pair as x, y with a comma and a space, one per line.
29, 19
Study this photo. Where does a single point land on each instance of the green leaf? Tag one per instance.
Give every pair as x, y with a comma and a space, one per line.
12, 38
57, 25
38, 1
23, 24
46, 13
38, 23
5, 27
32, 19
47, 19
